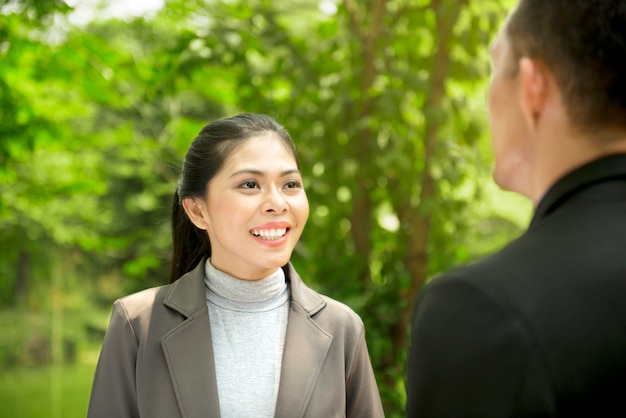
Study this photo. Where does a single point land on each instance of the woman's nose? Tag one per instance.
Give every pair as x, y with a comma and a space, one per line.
275, 202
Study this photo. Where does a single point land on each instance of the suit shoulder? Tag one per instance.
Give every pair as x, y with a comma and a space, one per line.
497, 273
339, 314
142, 302
340, 308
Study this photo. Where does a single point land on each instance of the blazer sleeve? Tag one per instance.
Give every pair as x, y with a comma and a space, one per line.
471, 354
362, 395
113, 392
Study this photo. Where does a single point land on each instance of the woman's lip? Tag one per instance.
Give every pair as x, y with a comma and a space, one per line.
274, 242
263, 230
272, 225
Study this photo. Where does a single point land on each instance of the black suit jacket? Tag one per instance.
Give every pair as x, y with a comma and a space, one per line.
539, 328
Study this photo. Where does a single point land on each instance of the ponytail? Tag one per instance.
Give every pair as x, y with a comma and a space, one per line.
190, 244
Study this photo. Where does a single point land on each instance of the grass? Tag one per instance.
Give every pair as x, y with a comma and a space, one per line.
60, 391
47, 361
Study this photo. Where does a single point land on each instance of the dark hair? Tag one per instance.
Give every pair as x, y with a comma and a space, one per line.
205, 157
583, 42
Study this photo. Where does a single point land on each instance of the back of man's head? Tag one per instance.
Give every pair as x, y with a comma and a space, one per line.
583, 42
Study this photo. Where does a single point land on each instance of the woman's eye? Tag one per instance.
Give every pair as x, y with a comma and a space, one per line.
249, 185
293, 185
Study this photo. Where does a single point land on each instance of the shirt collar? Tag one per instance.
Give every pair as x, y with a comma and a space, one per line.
597, 171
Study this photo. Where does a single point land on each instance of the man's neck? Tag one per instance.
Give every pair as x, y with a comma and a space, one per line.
564, 153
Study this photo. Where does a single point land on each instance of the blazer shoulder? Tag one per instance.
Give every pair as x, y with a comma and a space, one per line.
142, 302
317, 305
338, 318
340, 310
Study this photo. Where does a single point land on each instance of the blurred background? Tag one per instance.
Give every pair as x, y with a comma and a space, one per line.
385, 100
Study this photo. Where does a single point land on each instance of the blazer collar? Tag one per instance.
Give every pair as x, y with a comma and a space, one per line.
598, 171
306, 348
310, 301
188, 348
187, 294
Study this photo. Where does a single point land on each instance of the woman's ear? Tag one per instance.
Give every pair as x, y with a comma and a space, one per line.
196, 213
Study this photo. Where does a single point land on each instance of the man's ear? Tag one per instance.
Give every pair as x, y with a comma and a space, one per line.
195, 212
534, 90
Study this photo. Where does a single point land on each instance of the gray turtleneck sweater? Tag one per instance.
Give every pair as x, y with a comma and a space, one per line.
248, 325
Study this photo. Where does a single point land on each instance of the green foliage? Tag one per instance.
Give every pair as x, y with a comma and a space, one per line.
385, 100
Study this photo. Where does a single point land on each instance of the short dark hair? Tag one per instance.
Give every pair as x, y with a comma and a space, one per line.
583, 42
204, 159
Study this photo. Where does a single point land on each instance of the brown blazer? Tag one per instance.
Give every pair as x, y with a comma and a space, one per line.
157, 357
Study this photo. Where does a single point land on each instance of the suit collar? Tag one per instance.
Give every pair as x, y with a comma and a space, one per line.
188, 348
187, 294
598, 171
310, 301
306, 348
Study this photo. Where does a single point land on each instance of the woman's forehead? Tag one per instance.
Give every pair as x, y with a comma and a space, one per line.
265, 149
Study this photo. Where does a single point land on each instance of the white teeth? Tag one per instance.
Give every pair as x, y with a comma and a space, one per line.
270, 234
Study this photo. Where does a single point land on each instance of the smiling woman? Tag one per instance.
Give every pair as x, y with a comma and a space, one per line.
257, 193
236, 333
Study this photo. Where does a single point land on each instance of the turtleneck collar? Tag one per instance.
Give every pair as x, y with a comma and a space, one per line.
230, 290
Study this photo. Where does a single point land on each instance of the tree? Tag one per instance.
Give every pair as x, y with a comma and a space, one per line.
381, 99
384, 99
24, 125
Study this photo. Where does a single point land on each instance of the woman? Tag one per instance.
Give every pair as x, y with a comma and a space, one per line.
236, 333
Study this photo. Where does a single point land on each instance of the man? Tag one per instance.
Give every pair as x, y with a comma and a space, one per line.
539, 328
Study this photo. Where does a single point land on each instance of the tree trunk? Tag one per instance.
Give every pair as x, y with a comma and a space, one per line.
21, 285
416, 260
361, 218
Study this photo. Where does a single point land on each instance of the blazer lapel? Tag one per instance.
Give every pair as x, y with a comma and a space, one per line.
306, 348
188, 348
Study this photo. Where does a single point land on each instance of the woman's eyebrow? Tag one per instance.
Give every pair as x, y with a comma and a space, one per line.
262, 174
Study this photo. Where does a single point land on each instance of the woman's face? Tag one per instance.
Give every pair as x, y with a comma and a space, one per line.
255, 209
